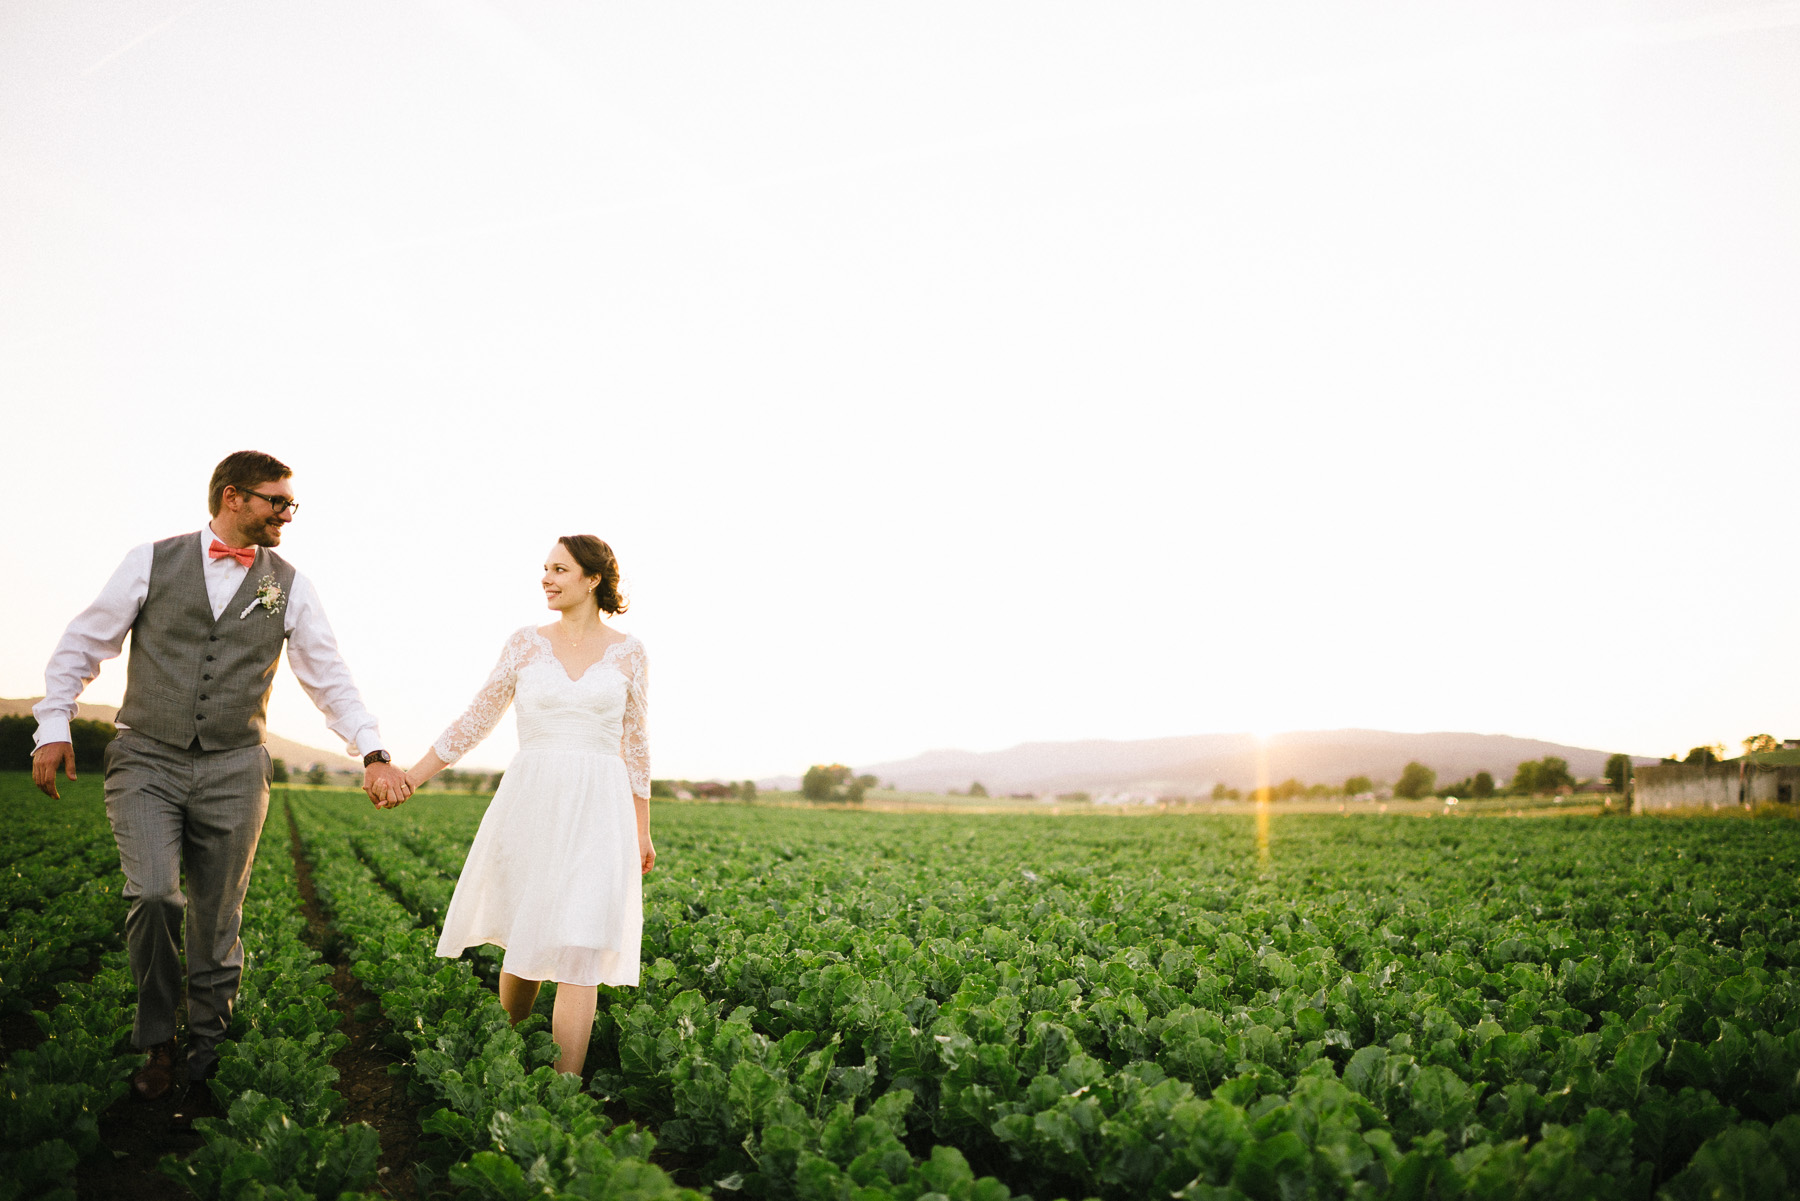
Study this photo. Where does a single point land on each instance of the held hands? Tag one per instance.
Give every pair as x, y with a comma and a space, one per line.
44, 762
386, 785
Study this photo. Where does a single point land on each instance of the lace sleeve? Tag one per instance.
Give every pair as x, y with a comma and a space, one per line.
484, 712
634, 744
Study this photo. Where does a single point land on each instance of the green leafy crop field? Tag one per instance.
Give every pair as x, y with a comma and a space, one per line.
855, 1006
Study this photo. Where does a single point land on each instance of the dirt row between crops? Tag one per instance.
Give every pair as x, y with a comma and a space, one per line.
371, 1093
135, 1137
381, 1102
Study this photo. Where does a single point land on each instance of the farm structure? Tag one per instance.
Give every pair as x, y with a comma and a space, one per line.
1714, 785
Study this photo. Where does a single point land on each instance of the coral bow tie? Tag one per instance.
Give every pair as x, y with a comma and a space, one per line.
243, 554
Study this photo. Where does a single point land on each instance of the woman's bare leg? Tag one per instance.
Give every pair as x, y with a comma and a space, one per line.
571, 1022
517, 996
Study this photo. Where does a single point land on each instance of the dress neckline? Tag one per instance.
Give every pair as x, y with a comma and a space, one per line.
563, 667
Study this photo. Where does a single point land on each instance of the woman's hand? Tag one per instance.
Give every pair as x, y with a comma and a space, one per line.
428, 766
646, 848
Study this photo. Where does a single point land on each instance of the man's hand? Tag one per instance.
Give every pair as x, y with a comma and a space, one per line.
386, 785
44, 762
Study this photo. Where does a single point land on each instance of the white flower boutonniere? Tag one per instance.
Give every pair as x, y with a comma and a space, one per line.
268, 594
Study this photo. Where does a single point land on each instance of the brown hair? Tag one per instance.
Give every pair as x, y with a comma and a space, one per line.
597, 559
242, 469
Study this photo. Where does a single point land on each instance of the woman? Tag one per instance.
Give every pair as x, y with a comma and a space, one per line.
555, 874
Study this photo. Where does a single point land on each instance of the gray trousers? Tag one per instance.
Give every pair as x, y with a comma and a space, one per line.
172, 808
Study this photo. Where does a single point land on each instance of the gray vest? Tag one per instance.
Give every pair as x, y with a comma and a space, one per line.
195, 679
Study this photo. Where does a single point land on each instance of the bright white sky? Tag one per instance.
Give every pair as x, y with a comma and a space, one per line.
944, 374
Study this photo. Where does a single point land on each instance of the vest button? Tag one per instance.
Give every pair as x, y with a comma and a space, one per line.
209, 658
204, 697
206, 677
212, 637
199, 717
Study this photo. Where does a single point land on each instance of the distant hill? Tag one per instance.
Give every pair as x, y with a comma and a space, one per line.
295, 754
1193, 764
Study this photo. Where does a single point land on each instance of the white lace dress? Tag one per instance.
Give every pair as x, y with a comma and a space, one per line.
553, 875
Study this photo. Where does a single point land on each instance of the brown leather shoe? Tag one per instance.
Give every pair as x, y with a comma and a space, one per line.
153, 1081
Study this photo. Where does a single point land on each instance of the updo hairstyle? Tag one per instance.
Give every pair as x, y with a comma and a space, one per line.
597, 559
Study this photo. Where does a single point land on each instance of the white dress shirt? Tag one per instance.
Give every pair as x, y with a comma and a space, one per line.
99, 631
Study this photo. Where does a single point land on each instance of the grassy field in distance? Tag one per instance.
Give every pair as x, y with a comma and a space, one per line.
884, 800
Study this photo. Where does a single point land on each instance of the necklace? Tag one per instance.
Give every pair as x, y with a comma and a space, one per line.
574, 642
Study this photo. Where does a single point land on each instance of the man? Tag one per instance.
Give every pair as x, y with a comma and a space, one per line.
187, 779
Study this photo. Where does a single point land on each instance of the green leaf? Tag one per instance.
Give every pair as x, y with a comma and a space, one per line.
492, 1177
752, 1091
1739, 1162
1273, 1167
1442, 1101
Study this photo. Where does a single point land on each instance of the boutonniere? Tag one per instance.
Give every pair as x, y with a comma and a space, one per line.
268, 594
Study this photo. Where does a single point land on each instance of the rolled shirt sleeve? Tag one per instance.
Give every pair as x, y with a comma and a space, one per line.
320, 668
95, 636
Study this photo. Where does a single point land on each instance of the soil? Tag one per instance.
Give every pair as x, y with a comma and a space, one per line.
134, 1136
371, 1093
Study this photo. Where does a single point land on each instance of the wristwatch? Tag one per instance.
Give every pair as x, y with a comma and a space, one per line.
374, 757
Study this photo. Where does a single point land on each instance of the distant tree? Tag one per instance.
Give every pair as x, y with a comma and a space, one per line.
16, 730
90, 739
1462, 788
1537, 776
663, 788
280, 775
1760, 744
1289, 788
1705, 754
747, 790
316, 774
18, 736
1219, 791
1618, 772
825, 782
1416, 780
1357, 785
853, 791
978, 789
868, 781
494, 784
1483, 785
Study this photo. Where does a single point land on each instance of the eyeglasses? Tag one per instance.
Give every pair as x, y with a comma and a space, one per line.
281, 504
